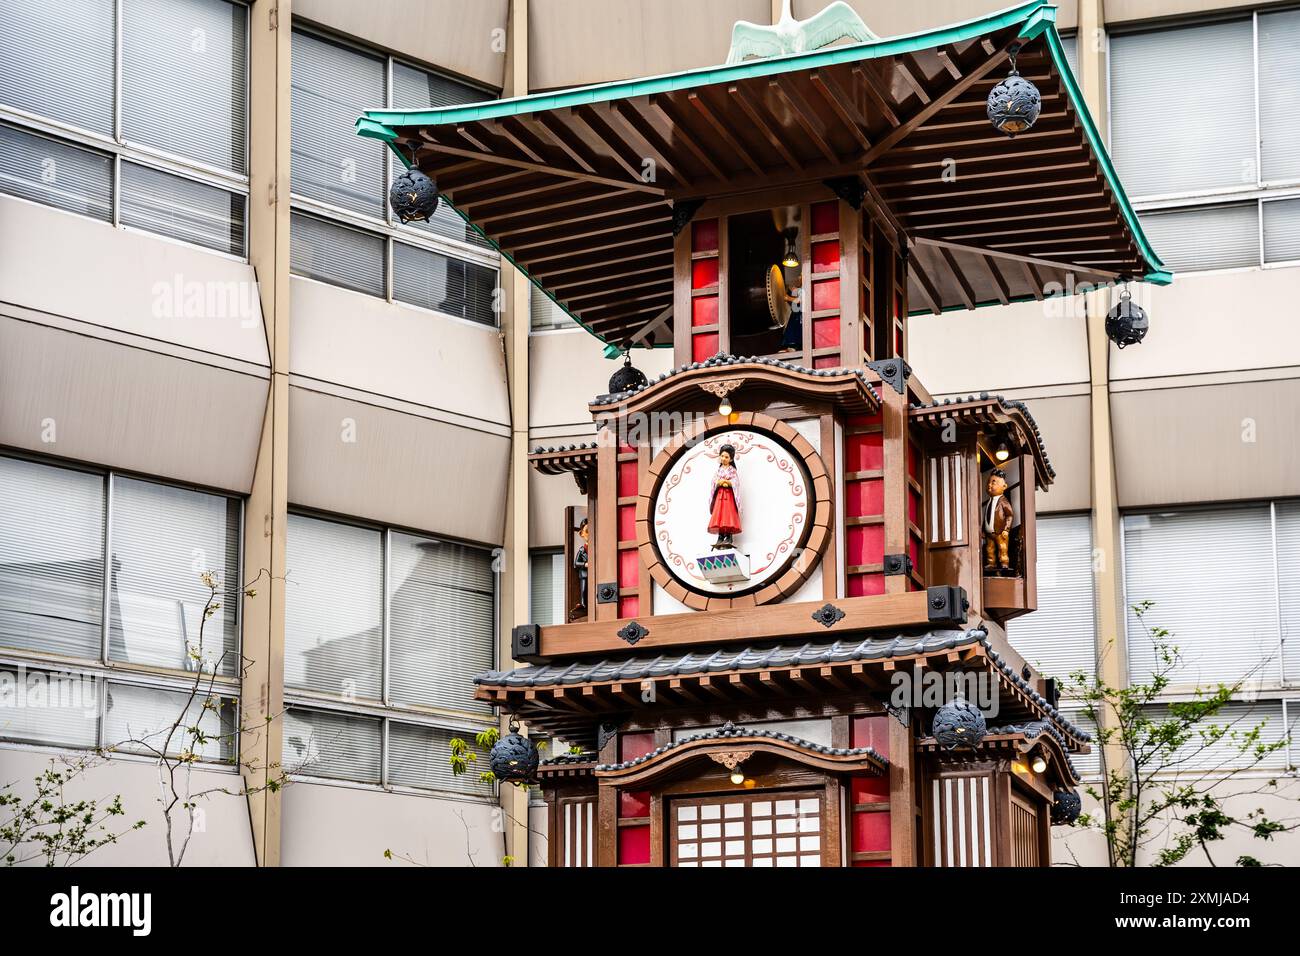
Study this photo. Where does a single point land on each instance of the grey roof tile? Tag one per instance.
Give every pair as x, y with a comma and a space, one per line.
730, 730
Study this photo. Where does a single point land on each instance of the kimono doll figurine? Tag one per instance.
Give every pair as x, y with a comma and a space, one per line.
724, 504
582, 563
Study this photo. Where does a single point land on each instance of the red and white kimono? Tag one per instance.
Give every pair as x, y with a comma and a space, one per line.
724, 506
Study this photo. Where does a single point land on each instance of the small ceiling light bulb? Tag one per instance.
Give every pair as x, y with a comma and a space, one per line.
1039, 763
1003, 452
790, 259
737, 776
724, 407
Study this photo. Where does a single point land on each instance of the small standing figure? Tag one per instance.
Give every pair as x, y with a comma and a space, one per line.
581, 562
724, 504
792, 338
998, 518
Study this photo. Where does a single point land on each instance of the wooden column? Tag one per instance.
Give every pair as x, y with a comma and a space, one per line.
902, 795
893, 407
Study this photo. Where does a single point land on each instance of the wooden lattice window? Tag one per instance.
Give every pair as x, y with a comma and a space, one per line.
754, 829
946, 499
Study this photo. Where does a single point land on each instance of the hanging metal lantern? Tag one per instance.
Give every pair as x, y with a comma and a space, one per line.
1014, 104
626, 377
1066, 807
413, 196
958, 723
514, 757
1127, 322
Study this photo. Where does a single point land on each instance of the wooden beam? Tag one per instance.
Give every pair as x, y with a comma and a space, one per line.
683, 134
724, 130
762, 121
803, 114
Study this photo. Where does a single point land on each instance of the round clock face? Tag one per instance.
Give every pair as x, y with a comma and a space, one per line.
772, 497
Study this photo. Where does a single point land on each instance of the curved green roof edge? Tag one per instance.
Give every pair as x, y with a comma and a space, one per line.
1036, 17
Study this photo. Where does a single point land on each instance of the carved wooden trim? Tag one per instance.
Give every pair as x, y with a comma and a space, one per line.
804, 557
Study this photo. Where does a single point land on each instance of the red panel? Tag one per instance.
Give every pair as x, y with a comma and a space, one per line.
825, 256
898, 341
872, 732
827, 361
914, 461
704, 273
864, 452
704, 346
914, 507
627, 478
870, 789
704, 235
870, 832
865, 544
860, 421
631, 746
825, 217
629, 606
864, 498
704, 310
826, 332
627, 449
629, 567
864, 585
826, 295
634, 845
914, 550
627, 522
633, 803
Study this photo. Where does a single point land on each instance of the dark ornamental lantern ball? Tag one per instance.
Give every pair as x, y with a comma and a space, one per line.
958, 723
1127, 322
1066, 807
514, 758
413, 196
626, 377
1014, 104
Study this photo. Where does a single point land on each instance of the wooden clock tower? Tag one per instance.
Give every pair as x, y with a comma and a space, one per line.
785, 642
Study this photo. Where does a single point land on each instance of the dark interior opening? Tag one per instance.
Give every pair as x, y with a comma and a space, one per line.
755, 242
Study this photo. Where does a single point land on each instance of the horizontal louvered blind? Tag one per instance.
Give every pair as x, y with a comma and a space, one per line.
325, 744
1282, 230
51, 559
57, 60
1182, 111
421, 757
1288, 576
182, 208
69, 715
546, 588
1206, 750
332, 86
1060, 637
1279, 92
443, 284
333, 608
441, 622
47, 171
138, 719
161, 539
1224, 624
184, 78
1088, 765
545, 313
336, 254
1205, 237
1070, 45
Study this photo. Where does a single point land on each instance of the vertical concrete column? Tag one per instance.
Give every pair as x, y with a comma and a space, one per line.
1108, 558
514, 560
262, 694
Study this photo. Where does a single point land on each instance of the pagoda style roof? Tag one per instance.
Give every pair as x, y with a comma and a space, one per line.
584, 189
849, 388
565, 697
730, 738
576, 460
983, 410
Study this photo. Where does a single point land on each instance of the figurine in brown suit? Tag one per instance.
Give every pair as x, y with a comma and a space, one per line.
997, 520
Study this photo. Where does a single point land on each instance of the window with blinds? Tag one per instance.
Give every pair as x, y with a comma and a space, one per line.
342, 181
1206, 750
545, 314
1226, 130
100, 573
546, 587
1225, 625
172, 159
397, 623
1060, 637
